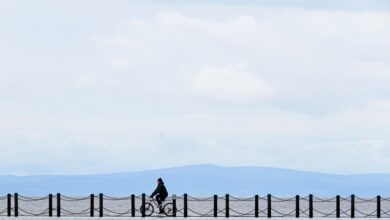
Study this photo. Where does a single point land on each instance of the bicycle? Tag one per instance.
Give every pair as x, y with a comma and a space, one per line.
149, 207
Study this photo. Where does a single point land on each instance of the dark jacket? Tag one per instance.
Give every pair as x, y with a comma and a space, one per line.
161, 190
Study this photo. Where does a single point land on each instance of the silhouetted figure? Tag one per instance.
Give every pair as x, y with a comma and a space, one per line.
161, 193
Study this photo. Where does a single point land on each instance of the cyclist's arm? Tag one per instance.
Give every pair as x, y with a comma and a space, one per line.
157, 190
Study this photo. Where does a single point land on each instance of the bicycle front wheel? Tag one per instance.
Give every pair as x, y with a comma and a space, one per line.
149, 209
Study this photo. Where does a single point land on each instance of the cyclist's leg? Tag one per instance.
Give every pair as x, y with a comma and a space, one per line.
158, 199
163, 198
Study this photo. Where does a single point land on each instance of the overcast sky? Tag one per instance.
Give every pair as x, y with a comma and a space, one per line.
112, 86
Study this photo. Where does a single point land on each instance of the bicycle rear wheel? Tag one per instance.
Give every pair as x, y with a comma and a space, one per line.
168, 209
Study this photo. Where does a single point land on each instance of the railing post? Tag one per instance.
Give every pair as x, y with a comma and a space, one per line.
132, 205
269, 206
337, 206
310, 206
352, 206
174, 205
50, 205
227, 207
92, 205
58, 205
9, 204
297, 208
378, 206
215, 206
185, 205
143, 205
101, 207
256, 206
16, 205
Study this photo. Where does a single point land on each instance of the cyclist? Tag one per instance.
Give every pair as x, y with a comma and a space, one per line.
161, 193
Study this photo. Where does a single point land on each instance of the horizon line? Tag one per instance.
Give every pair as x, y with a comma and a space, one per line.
193, 165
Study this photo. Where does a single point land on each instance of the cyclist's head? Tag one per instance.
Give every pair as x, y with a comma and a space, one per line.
159, 180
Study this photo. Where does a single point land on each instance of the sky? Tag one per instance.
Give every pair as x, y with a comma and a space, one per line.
114, 86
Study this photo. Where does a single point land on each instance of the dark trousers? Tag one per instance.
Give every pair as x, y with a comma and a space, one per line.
159, 200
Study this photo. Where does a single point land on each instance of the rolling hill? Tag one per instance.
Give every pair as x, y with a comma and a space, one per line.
203, 180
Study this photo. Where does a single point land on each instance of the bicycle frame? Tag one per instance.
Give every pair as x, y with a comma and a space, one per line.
151, 204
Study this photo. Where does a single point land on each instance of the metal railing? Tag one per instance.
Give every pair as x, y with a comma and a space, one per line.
267, 206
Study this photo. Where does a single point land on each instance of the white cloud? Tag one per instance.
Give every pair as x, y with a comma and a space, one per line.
232, 83
248, 84
303, 52
89, 80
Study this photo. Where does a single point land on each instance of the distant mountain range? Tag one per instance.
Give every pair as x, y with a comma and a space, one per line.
203, 180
